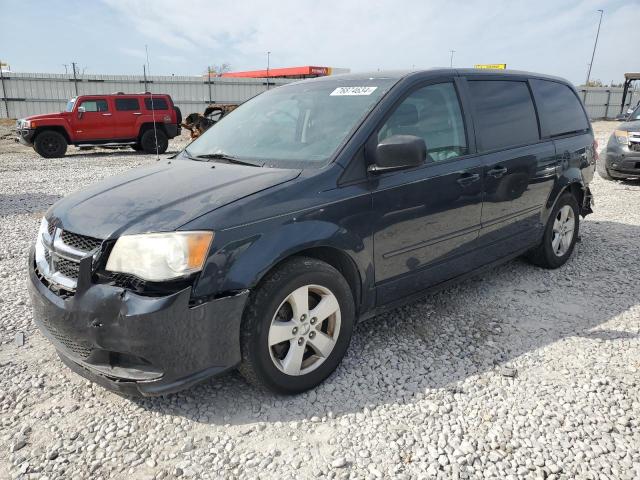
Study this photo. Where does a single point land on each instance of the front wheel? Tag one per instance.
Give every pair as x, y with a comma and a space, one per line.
560, 234
50, 144
297, 326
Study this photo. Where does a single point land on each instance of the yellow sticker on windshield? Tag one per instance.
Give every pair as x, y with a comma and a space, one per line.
353, 91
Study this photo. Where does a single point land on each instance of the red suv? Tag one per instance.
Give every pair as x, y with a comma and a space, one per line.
104, 120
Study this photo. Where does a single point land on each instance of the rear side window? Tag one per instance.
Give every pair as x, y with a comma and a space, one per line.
504, 114
559, 108
156, 104
94, 105
127, 104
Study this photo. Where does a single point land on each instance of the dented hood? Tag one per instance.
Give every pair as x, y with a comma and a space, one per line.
160, 198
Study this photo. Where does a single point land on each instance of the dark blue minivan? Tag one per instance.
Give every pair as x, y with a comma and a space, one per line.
310, 207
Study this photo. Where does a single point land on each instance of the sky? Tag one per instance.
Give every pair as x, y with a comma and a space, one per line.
109, 36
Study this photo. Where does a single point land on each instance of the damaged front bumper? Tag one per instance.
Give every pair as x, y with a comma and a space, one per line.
135, 344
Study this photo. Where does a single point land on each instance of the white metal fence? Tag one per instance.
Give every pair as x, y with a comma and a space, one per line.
604, 102
24, 94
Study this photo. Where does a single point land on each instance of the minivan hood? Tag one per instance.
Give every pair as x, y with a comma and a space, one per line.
160, 198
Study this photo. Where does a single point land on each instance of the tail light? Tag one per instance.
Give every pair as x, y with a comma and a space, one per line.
167, 119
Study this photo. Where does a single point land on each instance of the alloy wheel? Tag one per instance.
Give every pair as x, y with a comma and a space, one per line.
564, 227
304, 330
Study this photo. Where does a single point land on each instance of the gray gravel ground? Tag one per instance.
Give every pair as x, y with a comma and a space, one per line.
518, 373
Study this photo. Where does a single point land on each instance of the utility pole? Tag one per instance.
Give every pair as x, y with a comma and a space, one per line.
209, 82
4, 95
595, 44
144, 74
268, 55
451, 58
75, 79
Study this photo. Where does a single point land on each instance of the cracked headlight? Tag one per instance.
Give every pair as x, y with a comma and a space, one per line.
157, 257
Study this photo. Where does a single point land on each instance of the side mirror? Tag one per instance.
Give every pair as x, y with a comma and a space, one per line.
81, 111
399, 151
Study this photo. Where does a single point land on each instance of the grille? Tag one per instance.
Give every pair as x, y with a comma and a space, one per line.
81, 242
129, 282
67, 267
79, 349
635, 146
51, 228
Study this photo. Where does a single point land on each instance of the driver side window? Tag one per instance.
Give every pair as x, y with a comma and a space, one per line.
432, 113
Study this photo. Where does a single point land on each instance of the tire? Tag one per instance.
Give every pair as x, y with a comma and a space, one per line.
50, 144
273, 365
137, 147
555, 248
148, 141
601, 167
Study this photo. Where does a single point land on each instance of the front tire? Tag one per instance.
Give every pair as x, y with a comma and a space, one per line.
148, 141
601, 167
50, 144
297, 326
560, 234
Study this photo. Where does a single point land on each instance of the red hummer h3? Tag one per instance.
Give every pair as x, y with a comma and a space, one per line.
104, 120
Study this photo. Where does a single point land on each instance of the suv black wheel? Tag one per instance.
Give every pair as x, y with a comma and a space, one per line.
560, 234
297, 326
148, 141
50, 144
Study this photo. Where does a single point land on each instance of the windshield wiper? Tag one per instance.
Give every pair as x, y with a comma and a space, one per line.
226, 158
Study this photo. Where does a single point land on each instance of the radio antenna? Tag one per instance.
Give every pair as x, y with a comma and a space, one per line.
153, 109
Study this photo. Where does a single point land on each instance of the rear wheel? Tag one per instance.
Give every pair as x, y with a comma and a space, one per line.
137, 147
560, 235
148, 141
50, 144
297, 326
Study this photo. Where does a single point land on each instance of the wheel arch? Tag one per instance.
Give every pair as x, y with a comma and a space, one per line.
55, 128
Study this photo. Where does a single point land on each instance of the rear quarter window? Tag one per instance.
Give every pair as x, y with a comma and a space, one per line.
504, 114
156, 104
560, 109
124, 104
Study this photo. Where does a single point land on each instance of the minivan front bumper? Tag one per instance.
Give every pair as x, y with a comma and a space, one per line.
139, 345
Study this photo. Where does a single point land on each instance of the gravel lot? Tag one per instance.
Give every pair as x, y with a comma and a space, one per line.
518, 373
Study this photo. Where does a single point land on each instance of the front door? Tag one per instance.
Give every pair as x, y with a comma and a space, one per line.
427, 218
95, 123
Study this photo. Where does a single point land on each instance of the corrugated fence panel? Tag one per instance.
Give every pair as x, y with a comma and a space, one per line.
32, 93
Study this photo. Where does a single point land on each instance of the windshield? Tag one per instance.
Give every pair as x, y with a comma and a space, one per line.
70, 103
299, 125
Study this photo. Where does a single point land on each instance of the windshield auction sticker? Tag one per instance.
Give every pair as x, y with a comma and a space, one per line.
353, 91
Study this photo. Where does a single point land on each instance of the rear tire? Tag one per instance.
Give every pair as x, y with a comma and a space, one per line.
148, 141
50, 144
560, 234
289, 341
137, 147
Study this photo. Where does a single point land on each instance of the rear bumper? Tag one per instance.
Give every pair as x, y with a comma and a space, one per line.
139, 345
25, 136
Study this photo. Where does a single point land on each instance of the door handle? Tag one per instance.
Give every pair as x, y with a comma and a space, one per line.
137, 113
468, 178
106, 114
497, 172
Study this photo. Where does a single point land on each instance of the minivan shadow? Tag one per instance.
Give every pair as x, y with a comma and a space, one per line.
466, 330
